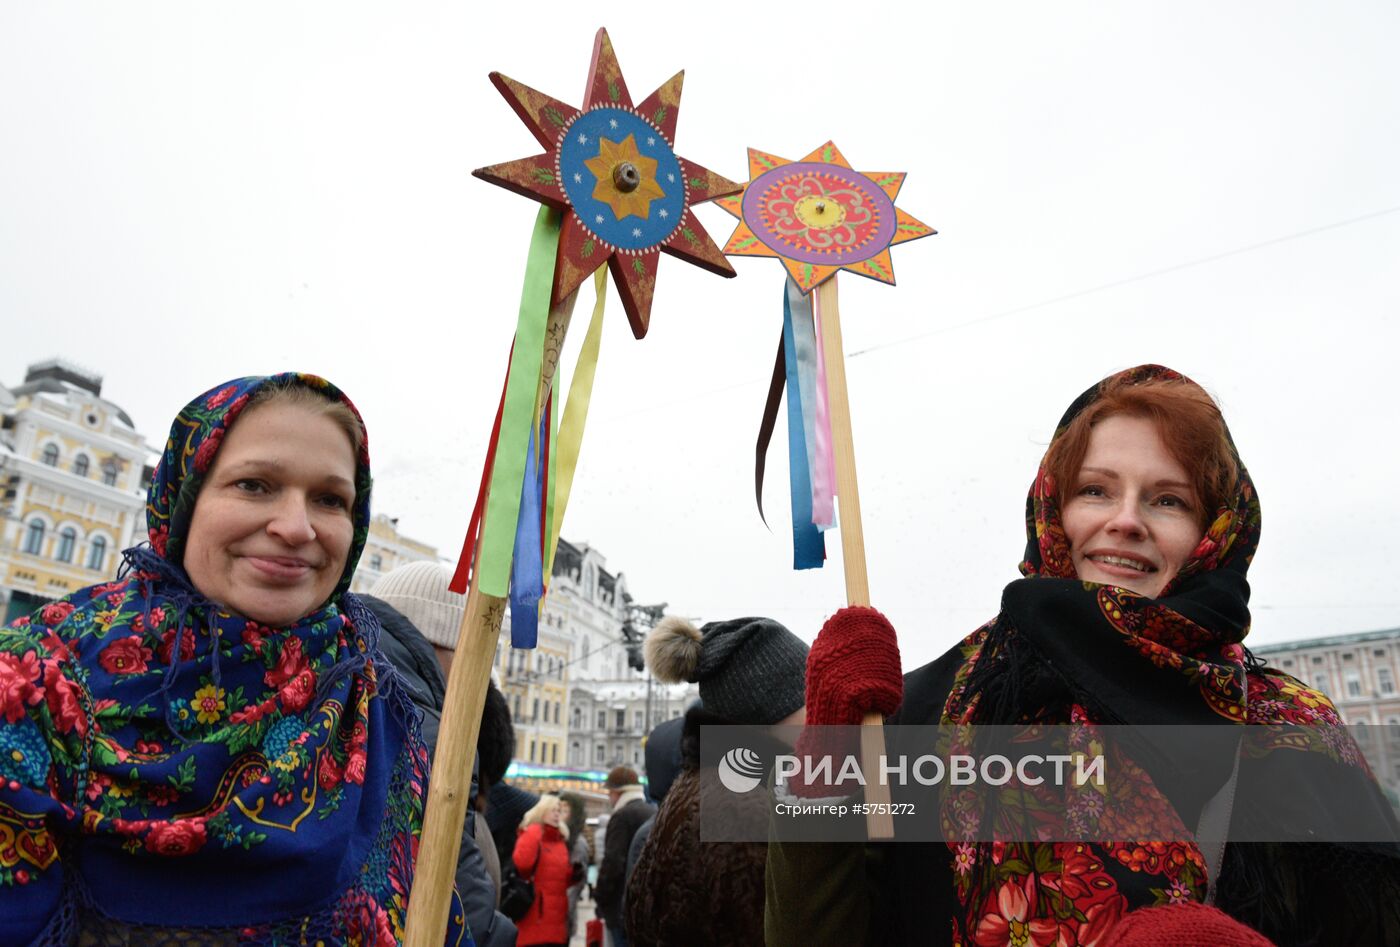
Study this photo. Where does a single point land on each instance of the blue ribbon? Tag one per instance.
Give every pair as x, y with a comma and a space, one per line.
527, 560
808, 547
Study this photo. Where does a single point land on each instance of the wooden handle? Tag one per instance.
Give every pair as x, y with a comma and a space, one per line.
450, 784
878, 825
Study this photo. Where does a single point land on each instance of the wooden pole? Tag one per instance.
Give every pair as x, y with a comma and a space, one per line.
872, 742
449, 786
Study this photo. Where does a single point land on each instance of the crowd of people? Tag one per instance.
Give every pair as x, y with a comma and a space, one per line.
223, 745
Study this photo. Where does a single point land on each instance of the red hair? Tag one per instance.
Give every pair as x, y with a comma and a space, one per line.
1187, 420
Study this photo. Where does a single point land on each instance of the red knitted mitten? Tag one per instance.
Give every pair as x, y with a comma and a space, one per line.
853, 668
1188, 923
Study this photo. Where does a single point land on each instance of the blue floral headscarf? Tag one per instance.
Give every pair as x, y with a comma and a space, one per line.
167, 765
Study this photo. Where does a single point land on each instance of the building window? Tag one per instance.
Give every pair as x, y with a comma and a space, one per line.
1353, 683
535, 712
598, 753
637, 720
621, 716
532, 751
557, 705
602, 719
50, 455
80, 465
1317, 659
1323, 684
1385, 683
554, 752
109, 474
376, 562
675, 714
1288, 662
66, 541
97, 553
578, 720
574, 754
34, 538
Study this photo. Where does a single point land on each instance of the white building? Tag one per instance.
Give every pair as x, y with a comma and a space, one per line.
580, 668
608, 723
73, 478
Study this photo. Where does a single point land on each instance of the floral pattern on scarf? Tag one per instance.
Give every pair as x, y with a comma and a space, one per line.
1109, 640
165, 764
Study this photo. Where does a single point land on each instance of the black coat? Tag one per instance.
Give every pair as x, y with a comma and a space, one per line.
612, 871
413, 657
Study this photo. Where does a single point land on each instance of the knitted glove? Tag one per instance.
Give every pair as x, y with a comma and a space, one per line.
1188, 923
853, 668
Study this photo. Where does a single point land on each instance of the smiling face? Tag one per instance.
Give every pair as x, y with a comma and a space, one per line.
272, 526
1132, 517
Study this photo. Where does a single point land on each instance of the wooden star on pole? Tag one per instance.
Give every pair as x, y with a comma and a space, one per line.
612, 169
818, 216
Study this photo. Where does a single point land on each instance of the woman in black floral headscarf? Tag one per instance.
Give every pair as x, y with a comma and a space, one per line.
1141, 525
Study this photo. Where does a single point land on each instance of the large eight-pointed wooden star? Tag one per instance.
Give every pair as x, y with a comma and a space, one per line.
612, 169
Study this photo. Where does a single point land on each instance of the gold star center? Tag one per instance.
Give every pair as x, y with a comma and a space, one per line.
636, 201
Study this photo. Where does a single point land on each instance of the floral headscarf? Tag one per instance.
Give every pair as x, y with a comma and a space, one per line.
168, 765
1064, 650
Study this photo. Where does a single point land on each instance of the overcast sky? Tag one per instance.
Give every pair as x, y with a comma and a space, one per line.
190, 192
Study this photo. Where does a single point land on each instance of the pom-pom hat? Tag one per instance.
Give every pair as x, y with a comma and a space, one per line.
750, 670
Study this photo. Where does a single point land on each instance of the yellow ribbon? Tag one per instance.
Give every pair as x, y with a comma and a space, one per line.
570, 437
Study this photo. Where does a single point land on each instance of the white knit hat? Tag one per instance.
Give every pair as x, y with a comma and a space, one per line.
419, 592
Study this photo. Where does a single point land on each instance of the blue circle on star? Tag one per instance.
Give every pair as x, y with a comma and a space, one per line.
593, 145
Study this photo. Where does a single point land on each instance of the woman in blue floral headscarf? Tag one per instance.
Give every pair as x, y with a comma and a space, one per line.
210, 749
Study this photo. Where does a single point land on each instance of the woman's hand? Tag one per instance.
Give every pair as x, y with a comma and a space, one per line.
853, 668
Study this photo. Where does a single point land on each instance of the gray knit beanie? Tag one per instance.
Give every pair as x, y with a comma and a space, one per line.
418, 591
750, 670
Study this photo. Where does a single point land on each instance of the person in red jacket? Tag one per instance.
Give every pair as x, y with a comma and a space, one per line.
542, 855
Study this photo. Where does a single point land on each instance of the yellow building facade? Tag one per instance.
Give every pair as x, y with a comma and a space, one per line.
385, 550
73, 477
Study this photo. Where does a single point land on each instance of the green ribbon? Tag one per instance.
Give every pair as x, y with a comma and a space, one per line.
518, 413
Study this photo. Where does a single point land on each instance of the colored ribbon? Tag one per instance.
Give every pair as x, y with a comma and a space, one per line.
815, 428
766, 425
824, 461
514, 449
527, 570
466, 561
570, 439
808, 547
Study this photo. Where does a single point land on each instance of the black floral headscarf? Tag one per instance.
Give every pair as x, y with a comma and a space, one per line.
1063, 650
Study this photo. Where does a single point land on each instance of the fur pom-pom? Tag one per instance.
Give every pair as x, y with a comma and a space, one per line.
673, 650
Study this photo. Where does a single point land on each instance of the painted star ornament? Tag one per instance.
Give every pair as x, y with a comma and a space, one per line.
611, 168
819, 216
